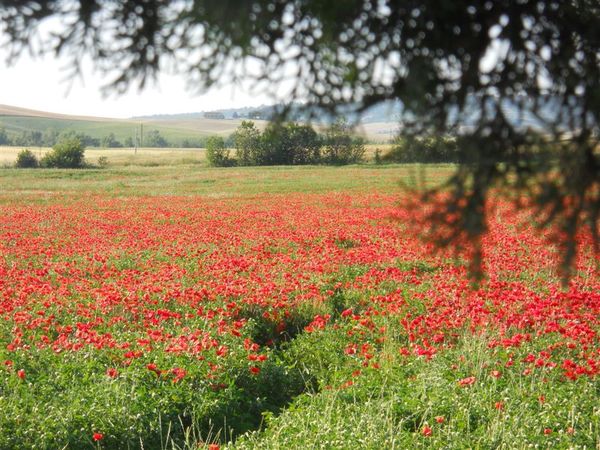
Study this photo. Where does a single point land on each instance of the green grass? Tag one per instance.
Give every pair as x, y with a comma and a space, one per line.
170, 173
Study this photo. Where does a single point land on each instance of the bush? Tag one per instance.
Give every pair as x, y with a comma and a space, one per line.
68, 153
247, 142
103, 162
425, 149
341, 147
216, 152
26, 159
290, 144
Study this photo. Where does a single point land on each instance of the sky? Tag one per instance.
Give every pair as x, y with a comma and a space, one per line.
40, 84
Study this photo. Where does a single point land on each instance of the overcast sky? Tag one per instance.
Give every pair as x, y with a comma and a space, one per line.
39, 84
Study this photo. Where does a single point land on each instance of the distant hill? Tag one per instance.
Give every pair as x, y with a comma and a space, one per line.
381, 119
179, 130
386, 112
175, 130
12, 111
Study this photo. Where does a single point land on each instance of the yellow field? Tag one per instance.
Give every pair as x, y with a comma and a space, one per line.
120, 156
144, 156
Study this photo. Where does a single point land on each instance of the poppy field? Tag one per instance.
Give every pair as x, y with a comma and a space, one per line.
280, 316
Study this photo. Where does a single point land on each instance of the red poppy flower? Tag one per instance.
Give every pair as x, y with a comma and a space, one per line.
466, 381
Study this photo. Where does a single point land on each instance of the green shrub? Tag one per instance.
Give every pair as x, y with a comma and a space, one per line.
291, 144
341, 147
26, 159
68, 153
247, 142
295, 144
216, 152
424, 149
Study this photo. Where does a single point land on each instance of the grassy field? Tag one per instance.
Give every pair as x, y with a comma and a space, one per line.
118, 157
161, 304
173, 172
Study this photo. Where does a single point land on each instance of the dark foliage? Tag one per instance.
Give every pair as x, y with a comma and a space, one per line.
424, 149
341, 147
291, 144
26, 159
216, 152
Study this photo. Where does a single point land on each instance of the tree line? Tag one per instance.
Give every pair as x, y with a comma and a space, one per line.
51, 137
286, 144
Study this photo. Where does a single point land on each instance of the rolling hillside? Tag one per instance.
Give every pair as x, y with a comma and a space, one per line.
174, 128
16, 120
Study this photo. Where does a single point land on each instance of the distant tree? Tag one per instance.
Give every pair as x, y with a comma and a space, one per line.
247, 144
85, 139
67, 153
341, 146
50, 137
111, 141
448, 63
194, 143
216, 153
128, 142
28, 137
153, 139
3, 137
26, 159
